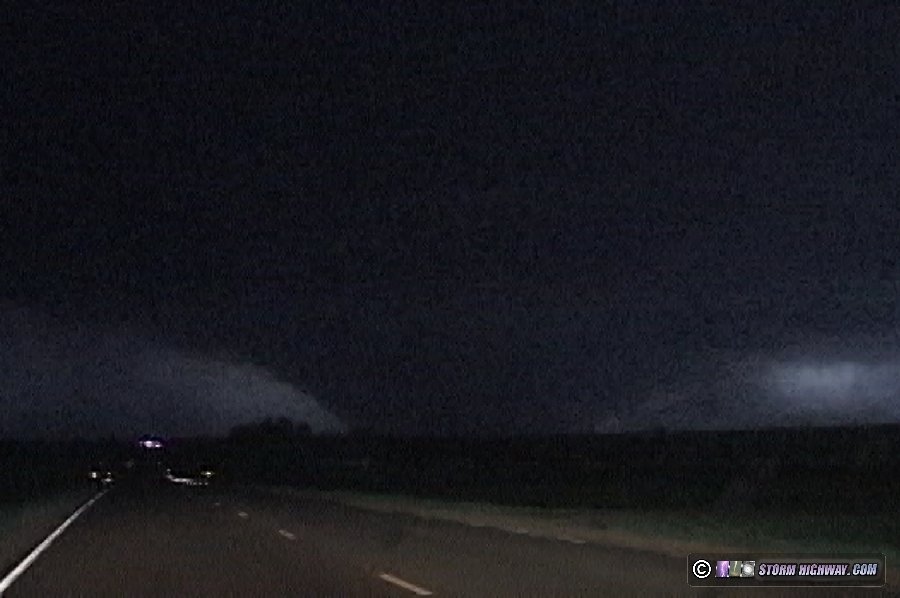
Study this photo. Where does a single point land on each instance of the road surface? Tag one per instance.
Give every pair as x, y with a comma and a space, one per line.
167, 540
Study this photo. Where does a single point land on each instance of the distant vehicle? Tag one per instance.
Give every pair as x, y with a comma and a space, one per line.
190, 477
102, 476
149, 442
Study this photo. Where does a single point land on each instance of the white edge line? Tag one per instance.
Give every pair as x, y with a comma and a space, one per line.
29, 560
405, 585
287, 534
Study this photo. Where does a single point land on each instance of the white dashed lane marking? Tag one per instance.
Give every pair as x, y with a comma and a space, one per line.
405, 585
287, 534
571, 540
243, 514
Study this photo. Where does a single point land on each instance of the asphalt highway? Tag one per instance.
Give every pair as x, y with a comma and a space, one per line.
157, 539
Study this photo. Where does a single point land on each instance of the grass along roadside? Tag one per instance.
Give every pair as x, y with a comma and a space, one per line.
672, 532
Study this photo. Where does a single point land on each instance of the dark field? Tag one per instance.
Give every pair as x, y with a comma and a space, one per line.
34, 470
850, 469
821, 490
854, 470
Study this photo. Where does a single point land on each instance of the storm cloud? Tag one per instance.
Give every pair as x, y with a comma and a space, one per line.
63, 379
844, 382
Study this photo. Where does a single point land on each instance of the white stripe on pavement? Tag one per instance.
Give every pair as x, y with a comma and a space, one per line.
405, 585
243, 514
570, 539
287, 534
40, 548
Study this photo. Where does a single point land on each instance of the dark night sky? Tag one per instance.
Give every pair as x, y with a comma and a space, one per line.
490, 218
